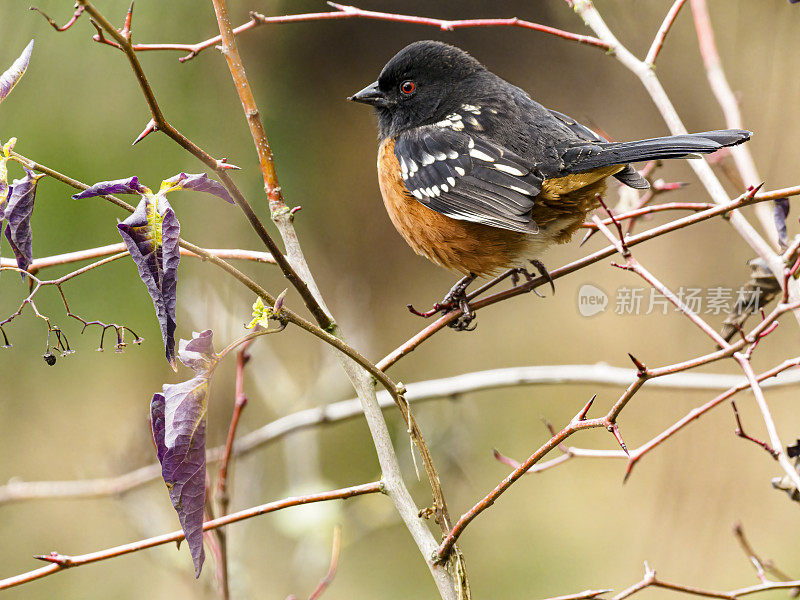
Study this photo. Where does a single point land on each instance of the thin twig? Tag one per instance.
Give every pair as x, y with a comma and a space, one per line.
326, 581
347, 12
60, 562
658, 42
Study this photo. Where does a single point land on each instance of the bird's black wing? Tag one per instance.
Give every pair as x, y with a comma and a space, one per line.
629, 176
467, 177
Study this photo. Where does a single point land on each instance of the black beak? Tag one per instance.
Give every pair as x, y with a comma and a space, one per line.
371, 95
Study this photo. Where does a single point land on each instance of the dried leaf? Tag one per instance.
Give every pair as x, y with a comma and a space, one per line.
151, 235
178, 417
200, 182
15, 72
130, 185
17, 212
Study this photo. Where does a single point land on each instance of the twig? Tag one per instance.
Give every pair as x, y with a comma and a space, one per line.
347, 12
70, 257
658, 42
761, 565
650, 580
60, 562
774, 439
326, 581
78, 12
740, 432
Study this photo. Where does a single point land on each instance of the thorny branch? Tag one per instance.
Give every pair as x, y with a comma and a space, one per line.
347, 12
60, 562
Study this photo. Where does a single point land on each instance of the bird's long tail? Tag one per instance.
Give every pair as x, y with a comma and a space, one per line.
674, 146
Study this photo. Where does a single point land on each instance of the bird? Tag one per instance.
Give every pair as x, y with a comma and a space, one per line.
480, 178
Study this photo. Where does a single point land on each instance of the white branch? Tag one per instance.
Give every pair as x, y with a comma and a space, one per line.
423, 391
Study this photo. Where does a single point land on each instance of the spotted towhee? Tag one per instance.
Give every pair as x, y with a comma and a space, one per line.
478, 177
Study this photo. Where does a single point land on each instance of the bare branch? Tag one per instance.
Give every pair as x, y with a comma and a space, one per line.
60, 562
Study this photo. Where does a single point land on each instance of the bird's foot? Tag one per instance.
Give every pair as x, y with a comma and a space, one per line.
455, 298
543, 272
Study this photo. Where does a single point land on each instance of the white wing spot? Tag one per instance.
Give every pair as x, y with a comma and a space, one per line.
440, 156
417, 194
480, 155
475, 110
510, 170
451, 181
452, 154
427, 159
471, 143
444, 188
435, 191
520, 190
460, 171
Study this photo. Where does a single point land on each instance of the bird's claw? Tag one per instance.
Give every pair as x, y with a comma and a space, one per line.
543, 272
455, 298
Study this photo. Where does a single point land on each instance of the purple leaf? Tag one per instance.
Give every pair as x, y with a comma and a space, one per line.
15, 72
151, 235
780, 211
157, 425
178, 418
118, 186
18, 212
200, 182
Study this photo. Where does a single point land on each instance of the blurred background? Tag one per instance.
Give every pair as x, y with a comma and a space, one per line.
575, 527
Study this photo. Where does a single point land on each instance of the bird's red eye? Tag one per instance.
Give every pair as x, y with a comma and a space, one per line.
408, 87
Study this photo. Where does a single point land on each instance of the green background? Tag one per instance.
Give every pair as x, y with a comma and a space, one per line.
575, 527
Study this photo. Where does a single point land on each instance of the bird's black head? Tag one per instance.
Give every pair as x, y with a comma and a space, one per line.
421, 84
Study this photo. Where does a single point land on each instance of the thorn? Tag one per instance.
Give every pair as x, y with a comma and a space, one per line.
126, 28
753, 190
614, 429
639, 365
223, 163
582, 415
149, 128
588, 235
56, 558
295, 209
